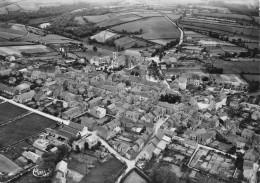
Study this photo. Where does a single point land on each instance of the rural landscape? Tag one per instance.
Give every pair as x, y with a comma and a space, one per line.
131, 91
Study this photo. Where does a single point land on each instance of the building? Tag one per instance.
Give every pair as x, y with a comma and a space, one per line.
166, 108
23, 88
92, 140
98, 112
60, 172
25, 97
41, 144
182, 82
133, 115
73, 112
85, 143
248, 169
32, 156
206, 43
147, 153
247, 134
192, 49
251, 155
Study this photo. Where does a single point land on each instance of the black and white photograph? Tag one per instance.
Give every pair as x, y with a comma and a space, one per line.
129, 91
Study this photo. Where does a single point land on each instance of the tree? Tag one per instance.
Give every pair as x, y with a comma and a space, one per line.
95, 49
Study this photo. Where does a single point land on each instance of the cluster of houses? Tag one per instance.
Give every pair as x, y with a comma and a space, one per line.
123, 107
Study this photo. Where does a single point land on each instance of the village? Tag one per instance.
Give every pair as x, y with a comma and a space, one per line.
126, 114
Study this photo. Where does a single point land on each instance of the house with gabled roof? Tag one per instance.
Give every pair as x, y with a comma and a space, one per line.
25, 97
133, 115
247, 134
147, 153
251, 155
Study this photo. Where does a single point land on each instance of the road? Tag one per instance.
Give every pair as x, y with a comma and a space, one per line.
173, 23
66, 122
130, 163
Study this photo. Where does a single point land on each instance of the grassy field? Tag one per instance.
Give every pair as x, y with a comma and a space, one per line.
9, 111
23, 128
108, 171
118, 20
153, 28
237, 67
7, 166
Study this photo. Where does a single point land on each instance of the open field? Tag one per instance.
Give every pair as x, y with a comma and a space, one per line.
118, 20
9, 111
7, 166
110, 19
11, 31
237, 67
50, 38
153, 28
226, 15
128, 42
109, 170
148, 14
28, 49
11, 43
98, 18
23, 128
14, 29
226, 27
173, 16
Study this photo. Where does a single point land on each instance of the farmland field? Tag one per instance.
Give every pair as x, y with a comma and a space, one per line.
226, 15
9, 111
98, 18
28, 48
128, 42
23, 128
50, 38
7, 166
237, 67
250, 77
118, 20
153, 28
